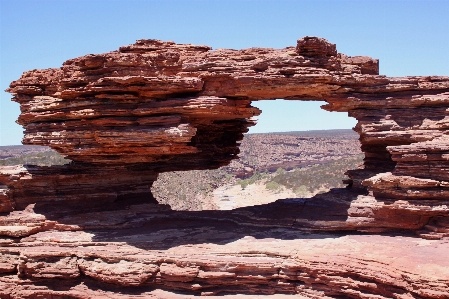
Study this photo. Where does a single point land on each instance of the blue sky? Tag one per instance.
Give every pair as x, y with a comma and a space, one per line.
409, 38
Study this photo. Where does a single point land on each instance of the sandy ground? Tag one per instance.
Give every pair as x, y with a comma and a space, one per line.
229, 197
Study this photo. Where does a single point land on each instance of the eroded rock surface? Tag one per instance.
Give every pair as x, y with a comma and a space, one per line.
88, 230
263, 250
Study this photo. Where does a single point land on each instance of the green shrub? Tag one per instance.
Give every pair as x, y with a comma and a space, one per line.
257, 176
273, 186
243, 183
280, 170
301, 191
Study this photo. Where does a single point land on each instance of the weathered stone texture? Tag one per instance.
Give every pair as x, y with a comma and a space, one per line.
262, 250
127, 115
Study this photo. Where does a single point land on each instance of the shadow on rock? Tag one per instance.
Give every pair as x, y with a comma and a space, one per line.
152, 226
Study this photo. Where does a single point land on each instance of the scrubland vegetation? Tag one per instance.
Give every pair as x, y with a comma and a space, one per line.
307, 180
192, 190
189, 190
45, 158
314, 179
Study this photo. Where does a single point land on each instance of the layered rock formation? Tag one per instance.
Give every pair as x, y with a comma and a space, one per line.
125, 116
263, 250
77, 185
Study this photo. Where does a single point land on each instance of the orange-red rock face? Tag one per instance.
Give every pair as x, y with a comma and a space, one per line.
161, 106
159, 101
154, 106
264, 250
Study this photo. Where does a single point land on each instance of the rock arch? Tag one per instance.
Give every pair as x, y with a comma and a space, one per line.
127, 115
158, 106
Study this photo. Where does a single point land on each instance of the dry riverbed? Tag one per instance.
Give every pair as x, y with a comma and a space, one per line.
230, 197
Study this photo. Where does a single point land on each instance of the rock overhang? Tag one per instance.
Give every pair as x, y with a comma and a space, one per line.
91, 229
157, 106
152, 90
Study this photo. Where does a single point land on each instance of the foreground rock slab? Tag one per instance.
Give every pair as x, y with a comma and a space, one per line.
138, 252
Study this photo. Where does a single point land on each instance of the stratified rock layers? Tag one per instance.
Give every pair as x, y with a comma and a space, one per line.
159, 106
261, 250
127, 115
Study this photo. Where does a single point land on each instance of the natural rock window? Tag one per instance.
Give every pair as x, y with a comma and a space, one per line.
93, 229
152, 107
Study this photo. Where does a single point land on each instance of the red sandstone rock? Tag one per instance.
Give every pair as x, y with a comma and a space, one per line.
253, 250
80, 186
155, 106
